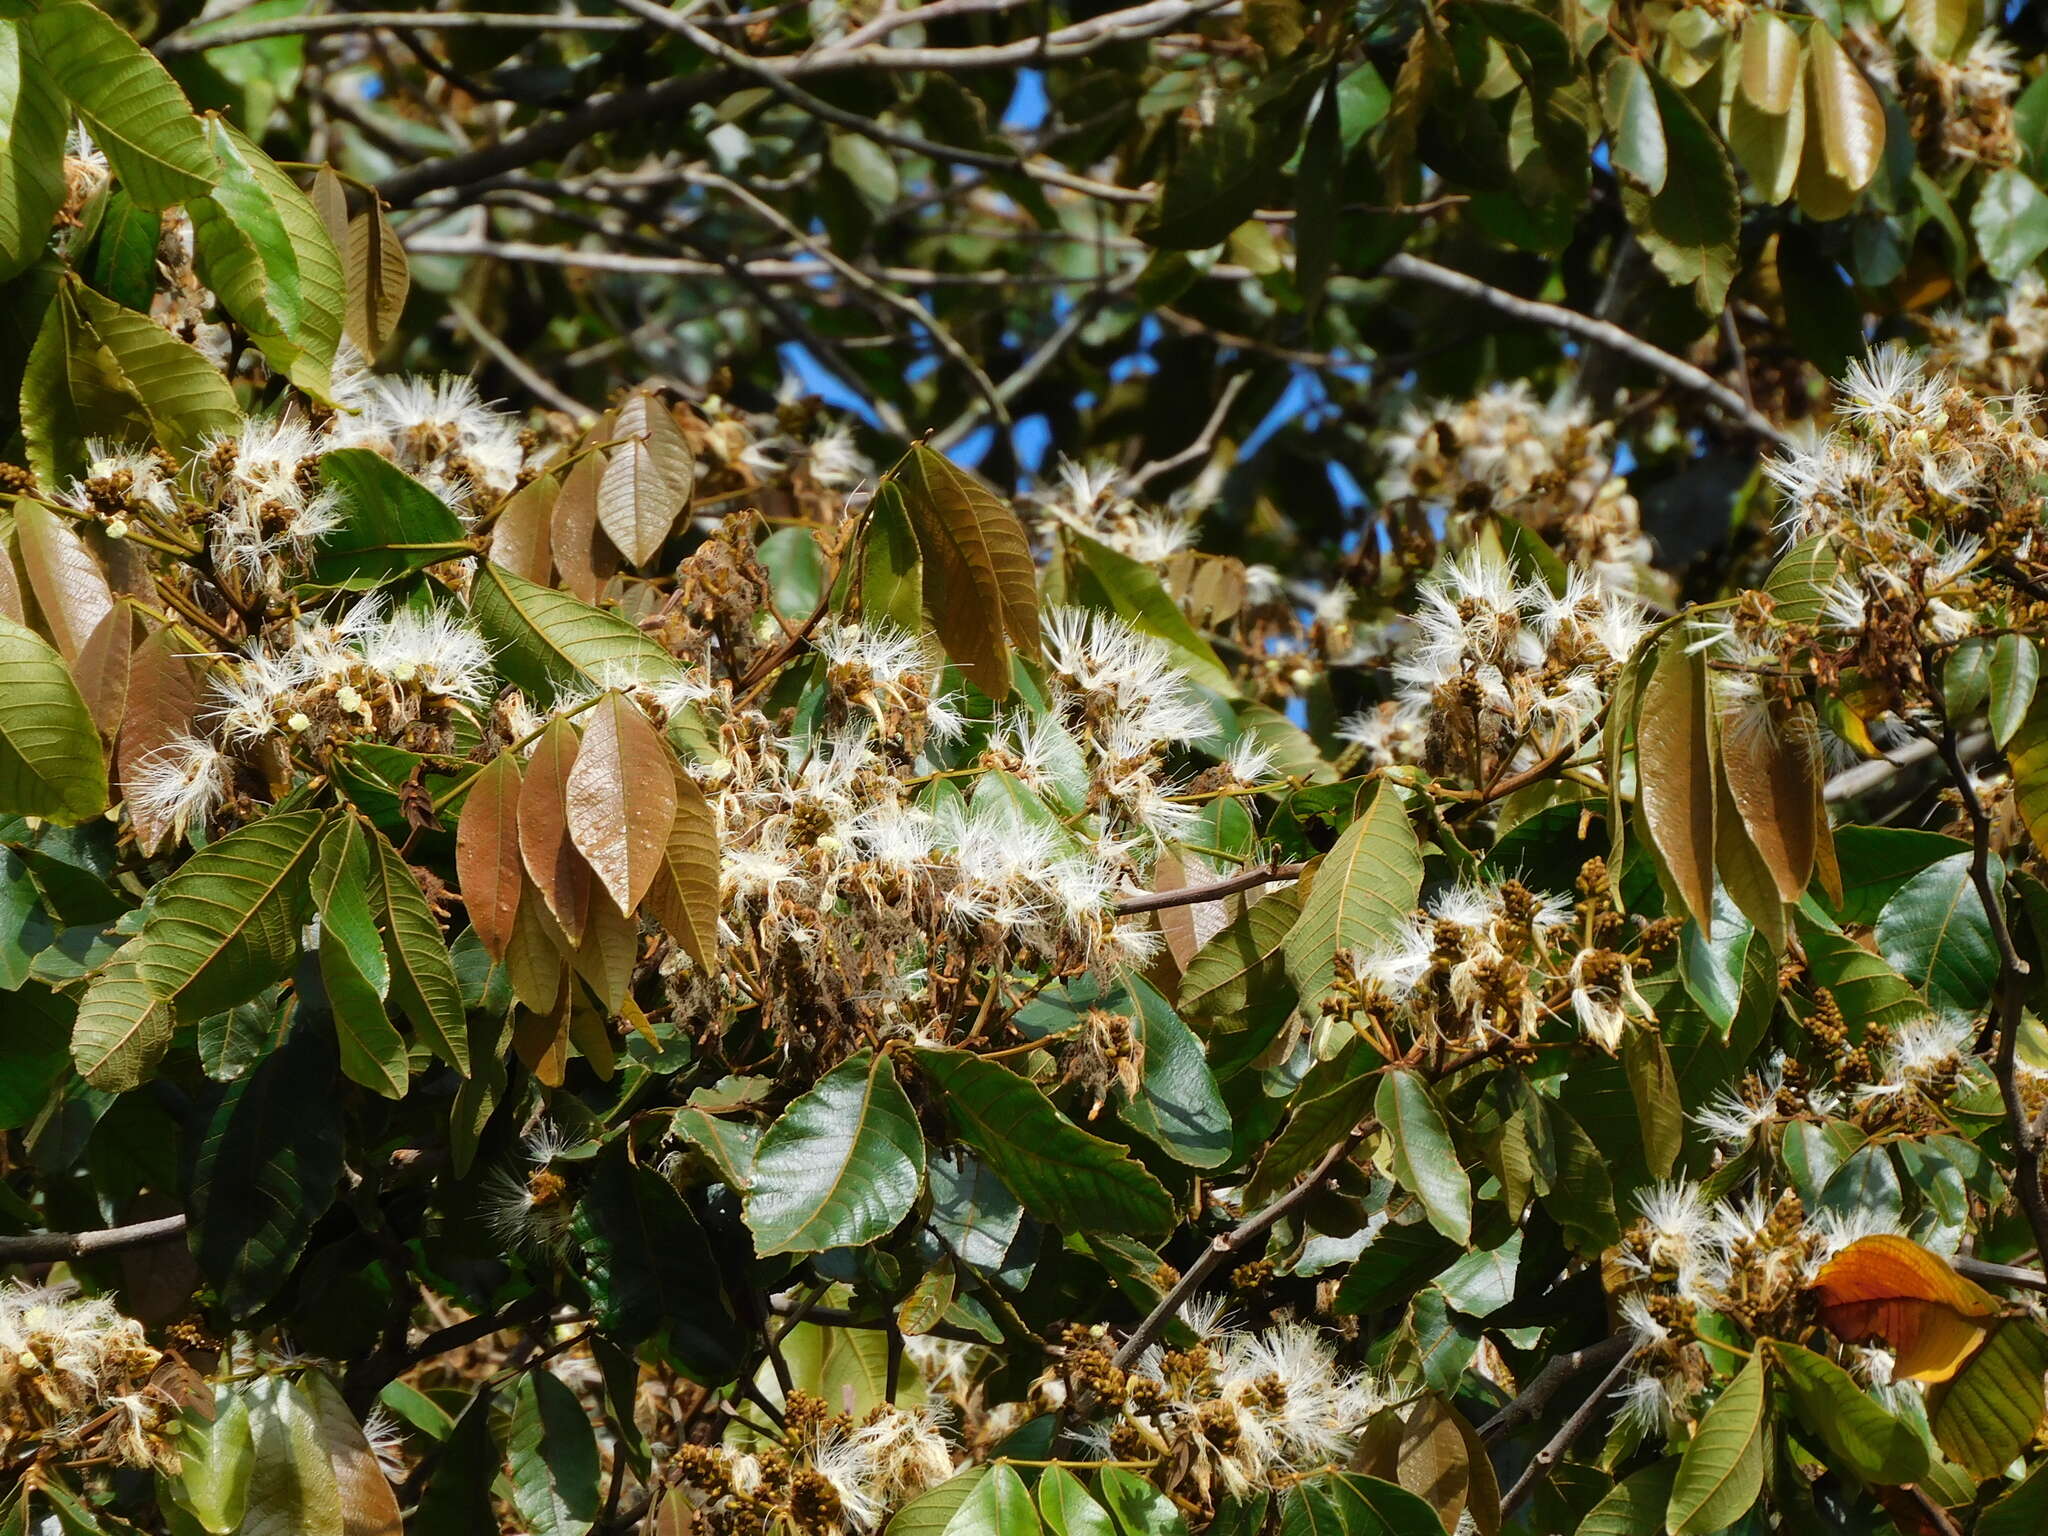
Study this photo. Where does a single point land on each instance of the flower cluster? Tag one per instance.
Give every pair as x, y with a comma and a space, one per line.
78, 1377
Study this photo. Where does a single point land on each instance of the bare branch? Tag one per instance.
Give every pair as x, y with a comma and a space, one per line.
1215, 890
1200, 448
44, 1247
202, 35
1556, 317
516, 365
1540, 1465
1562, 1370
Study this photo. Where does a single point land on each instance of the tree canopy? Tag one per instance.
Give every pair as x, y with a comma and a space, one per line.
1009, 769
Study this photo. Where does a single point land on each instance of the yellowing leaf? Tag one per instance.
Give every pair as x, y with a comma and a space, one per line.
1770, 64
1892, 1291
684, 897
1846, 111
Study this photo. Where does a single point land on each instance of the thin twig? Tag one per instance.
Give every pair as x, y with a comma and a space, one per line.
1587, 328
1203, 445
1539, 1467
1215, 890
1562, 1370
535, 383
203, 35
2000, 1274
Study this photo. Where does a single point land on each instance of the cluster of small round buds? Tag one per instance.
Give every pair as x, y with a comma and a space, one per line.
1255, 1276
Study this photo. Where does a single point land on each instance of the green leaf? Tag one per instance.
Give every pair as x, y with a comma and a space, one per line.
1236, 987
457, 1500
997, 1505
1689, 226
122, 1030
215, 1457
386, 523
1869, 991
292, 1488
1319, 191
269, 1163
1935, 933
72, 390
841, 1167
554, 1457
891, 573
1635, 130
33, 118
1178, 1104
1989, 1411
1659, 1107
1138, 597
932, 1514
187, 399
1425, 1161
1635, 1505
2022, 1510
131, 106
226, 925
1346, 1504
353, 967
261, 246
1871, 1442
50, 762
1722, 1471
1316, 1121
1138, 1508
648, 1264
2015, 674
1063, 1175
423, 981
548, 643
1218, 179
2010, 221
1067, 1508
1363, 891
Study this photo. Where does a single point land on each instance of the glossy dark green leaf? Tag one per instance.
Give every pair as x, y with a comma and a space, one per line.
1060, 1172
1363, 890
1177, 1104
33, 118
841, 1166
547, 643
423, 980
386, 523
554, 1457
1425, 1159
353, 967
1934, 932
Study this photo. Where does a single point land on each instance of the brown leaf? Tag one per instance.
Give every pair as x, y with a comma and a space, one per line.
684, 899
69, 585
164, 703
1850, 120
647, 480
1770, 64
519, 535
541, 1041
379, 279
1744, 875
368, 1505
557, 869
1675, 774
585, 561
621, 800
330, 200
101, 670
981, 587
1441, 1462
535, 962
611, 944
1769, 767
487, 859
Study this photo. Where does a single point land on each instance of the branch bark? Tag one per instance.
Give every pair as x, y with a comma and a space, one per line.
1215, 890
50, 1247
1556, 317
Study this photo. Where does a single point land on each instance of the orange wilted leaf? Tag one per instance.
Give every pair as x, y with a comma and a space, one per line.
1893, 1291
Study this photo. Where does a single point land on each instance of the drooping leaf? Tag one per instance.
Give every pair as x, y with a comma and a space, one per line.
1635, 130
269, 1164
684, 898
558, 870
226, 925
71, 391
292, 1490
555, 1483
980, 588
1846, 113
378, 277
215, 1456
1722, 1470
1990, 1410
647, 479
1935, 933
1062, 1174
487, 858
1425, 1160
620, 800
1688, 227
1675, 774
1770, 64
353, 966
122, 1030
1363, 891
841, 1166
369, 1507
187, 399
1872, 1442
50, 761
131, 105
423, 980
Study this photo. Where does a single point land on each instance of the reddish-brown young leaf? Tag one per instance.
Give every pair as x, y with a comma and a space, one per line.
1769, 764
558, 870
164, 704
647, 479
520, 533
487, 856
1675, 774
541, 1041
1892, 1290
622, 800
684, 898
585, 560
534, 960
